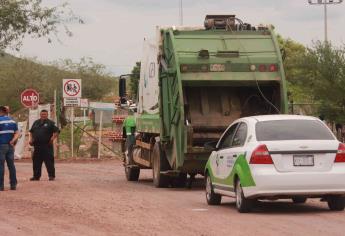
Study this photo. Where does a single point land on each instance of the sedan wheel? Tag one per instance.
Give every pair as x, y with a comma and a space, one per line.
243, 204
211, 197
336, 203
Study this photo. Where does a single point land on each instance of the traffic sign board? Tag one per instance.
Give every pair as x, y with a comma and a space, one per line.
71, 102
71, 88
29, 98
84, 103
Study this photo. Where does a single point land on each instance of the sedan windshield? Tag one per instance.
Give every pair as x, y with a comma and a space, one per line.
292, 130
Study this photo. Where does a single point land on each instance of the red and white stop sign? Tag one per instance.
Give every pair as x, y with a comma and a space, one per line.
30, 98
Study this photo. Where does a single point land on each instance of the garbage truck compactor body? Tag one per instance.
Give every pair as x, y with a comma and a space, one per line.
193, 83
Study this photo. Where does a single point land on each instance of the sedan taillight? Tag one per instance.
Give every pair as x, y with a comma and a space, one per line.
340, 157
261, 156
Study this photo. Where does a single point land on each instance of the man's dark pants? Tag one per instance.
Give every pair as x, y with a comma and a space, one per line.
7, 154
43, 153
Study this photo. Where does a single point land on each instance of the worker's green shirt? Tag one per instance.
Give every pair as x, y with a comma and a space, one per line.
128, 124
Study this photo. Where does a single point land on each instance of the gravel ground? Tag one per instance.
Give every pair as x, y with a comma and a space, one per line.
94, 198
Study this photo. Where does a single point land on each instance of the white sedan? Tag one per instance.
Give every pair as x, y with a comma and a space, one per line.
276, 157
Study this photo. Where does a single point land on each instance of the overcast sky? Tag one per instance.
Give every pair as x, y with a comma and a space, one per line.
114, 29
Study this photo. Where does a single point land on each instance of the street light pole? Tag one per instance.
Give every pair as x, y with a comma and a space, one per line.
181, 12
325, 14
325, 3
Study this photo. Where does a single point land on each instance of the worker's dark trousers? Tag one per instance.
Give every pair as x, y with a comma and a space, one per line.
44, 153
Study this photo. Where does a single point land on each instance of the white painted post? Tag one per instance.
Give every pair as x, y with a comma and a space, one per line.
100, 135
84, 114
72, 133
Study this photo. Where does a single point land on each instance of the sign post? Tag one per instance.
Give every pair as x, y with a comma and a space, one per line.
72, 93
100, 135
72, 131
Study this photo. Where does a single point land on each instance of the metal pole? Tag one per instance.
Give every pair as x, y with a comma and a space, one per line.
181, 12
325, 3
100, 135
325, 8
84, 114
58, 124
72, 132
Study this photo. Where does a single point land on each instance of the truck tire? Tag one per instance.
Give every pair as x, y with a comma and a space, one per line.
160, 163
212, 198
180, 180
243, 204
132, 172
299, 200
336, 203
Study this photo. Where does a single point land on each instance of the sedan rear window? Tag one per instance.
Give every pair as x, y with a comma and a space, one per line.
292, 130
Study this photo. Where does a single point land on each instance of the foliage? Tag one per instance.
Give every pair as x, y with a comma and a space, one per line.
324, 75
65, 136
19, 74
134, 81
293, 54
19, 18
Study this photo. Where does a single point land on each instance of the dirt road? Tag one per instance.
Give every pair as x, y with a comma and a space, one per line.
95, 199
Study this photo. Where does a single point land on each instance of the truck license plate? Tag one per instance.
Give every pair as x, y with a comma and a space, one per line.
303, 160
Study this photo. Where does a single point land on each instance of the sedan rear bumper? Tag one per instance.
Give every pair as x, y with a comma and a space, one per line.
271, 183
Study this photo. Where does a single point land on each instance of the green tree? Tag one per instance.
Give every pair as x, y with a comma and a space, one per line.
19, 18
293, 54
134, 80
324, 76
26, 73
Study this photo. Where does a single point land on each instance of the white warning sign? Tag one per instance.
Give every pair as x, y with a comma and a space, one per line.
71, 88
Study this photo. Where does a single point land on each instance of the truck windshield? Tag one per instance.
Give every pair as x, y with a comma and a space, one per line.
292, 130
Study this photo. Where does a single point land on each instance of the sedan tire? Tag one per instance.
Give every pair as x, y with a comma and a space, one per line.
212, 198
243, 204
336, 203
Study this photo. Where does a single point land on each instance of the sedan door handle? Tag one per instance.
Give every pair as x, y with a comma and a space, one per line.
234, 155
221, 157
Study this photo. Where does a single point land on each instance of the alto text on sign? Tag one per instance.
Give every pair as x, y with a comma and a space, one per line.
29, 98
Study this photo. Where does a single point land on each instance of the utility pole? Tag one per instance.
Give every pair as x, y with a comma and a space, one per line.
325, 3
181, 12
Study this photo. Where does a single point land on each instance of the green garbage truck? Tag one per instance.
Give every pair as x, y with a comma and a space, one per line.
194, 81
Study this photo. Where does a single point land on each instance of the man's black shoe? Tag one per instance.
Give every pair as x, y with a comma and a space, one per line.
1, 189
34, 179
51, 178
13, 187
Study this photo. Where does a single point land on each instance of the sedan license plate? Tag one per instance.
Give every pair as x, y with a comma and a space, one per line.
303, 160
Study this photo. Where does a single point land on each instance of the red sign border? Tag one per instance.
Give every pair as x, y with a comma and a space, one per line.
30, 89
66, 91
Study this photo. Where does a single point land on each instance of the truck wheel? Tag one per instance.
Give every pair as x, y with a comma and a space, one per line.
299, 200
160, 163
132, 172
336, 203
212, 198
180, 181
243, 204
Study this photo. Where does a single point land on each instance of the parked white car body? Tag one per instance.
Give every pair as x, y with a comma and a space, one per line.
277, 156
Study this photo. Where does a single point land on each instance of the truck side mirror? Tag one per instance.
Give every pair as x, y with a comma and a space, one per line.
122, 90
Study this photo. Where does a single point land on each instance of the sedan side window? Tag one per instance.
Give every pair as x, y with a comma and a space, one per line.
227, 138
240, 136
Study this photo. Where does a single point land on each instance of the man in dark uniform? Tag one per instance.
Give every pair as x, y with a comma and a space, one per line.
8, 137
42, 135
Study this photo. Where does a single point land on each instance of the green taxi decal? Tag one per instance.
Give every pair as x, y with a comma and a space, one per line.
240, 168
